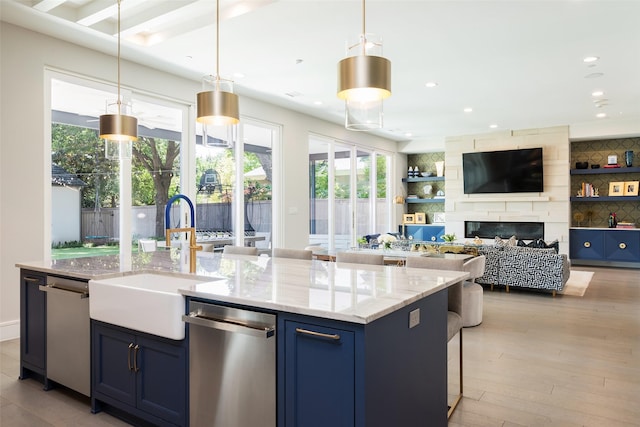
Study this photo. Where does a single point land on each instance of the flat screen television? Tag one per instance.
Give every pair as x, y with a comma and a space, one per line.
508, 171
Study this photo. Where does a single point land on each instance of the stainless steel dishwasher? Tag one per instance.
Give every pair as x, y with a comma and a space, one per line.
232, 367
68, 333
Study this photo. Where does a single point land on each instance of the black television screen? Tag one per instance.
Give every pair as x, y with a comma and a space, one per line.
509, 171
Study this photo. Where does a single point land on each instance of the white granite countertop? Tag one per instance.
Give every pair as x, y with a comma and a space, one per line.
354, 293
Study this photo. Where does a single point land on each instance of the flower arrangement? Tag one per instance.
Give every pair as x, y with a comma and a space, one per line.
449, 237
386, 240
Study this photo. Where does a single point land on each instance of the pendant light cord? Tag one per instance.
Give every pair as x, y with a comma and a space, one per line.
217, 44
119, 102
363, 42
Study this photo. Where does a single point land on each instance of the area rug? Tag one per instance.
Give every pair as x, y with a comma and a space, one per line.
578, 283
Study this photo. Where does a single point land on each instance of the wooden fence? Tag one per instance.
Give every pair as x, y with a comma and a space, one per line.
103, 224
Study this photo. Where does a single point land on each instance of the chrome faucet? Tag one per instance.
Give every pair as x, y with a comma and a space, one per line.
193, 247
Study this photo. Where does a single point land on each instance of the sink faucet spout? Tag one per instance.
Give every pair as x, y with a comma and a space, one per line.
193, 247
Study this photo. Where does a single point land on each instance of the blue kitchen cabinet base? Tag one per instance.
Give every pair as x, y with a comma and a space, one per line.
140, 375
33, 328
323, 372
377, 374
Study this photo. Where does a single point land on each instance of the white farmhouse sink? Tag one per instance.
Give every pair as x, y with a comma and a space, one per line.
147, 302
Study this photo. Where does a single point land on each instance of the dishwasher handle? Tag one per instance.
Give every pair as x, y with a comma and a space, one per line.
64, 291
229, 325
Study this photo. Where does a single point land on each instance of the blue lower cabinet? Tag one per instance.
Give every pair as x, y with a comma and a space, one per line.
586, 244
424, 233
140, 375
622, 245
33, 319
320, 381
379, 374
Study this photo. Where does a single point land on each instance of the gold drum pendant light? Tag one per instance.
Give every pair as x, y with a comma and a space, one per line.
364, 81
118, 128
217, 105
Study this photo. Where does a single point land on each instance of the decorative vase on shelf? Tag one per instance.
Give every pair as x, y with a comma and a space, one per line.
410, 172
628, 158
440, 168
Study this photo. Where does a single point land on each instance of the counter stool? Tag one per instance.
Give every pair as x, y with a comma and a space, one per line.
472, 293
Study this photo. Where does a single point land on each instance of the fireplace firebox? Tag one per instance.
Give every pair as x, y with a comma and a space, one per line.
504, 229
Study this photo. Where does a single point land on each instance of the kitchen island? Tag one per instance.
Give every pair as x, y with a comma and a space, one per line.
382, 371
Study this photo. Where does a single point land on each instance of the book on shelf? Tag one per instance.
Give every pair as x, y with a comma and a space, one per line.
626, 225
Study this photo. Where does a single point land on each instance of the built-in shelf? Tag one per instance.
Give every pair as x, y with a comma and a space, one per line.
417, 200
600, 171
606, 199
423, 179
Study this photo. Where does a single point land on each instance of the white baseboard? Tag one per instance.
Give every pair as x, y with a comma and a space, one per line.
9, 330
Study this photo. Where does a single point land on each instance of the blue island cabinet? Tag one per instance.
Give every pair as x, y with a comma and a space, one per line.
33, 319
378, 374
139, 376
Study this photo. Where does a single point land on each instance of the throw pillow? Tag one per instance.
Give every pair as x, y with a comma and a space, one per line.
501, 243
540, 244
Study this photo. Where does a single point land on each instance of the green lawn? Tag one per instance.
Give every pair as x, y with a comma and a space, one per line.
86, 251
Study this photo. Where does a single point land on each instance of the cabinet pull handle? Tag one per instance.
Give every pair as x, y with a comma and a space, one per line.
135, 358
622, 245
334, 337
587, 244
433, 238
129, 356
31, 279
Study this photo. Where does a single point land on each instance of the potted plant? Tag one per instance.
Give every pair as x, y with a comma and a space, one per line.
449, 238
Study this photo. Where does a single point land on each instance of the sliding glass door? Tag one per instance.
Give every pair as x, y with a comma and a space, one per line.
347, 193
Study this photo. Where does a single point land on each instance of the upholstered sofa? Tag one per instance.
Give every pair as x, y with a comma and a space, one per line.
525, 267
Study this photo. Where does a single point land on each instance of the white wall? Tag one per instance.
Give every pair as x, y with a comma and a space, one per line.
25, 180
65, 214
551, 206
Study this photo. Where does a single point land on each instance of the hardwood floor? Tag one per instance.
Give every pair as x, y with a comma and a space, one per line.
565, 361
534, 361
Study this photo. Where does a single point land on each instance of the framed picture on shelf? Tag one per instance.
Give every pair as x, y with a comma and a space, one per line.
421, 218
438, 218
408, 219
616, 188
631, 188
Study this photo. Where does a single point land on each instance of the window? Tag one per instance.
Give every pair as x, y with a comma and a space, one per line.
86, 186
342, 180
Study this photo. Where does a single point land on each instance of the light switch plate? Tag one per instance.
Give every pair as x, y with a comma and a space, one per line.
414, 318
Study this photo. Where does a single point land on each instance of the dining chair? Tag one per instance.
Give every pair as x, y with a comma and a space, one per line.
454, 309
292, 253
358, 258
240, 250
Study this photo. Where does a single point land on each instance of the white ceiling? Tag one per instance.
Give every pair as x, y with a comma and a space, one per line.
518, 64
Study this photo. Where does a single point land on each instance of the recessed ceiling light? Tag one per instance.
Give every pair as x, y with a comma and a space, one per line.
408, 134
317, 102
239, 75
431, 84
493, 126
601, 115
597, 93
468, 110
588, 59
